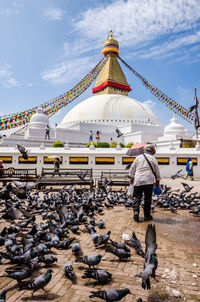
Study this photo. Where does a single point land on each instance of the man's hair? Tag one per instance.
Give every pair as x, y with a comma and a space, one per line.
150, 148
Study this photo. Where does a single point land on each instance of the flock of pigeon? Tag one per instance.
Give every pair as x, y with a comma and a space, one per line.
178, 199
35, 225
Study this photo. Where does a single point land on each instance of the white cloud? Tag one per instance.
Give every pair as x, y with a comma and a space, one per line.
149, 103
67, 71
6, 78
169, 48
138, 23
14, 8
53, 13
29, 84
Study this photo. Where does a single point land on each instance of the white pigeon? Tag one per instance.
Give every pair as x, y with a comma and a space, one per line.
125, 237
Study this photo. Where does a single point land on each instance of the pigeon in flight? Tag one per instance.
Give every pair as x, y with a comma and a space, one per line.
23, 151
151, 261
82, 175
186, 187
176, 174
119, 133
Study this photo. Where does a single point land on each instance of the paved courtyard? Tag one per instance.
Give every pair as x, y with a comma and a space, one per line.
178, 273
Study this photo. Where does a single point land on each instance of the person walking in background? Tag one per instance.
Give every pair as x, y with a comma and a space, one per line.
90, 136
189, 169
1, 168
47, 133
57, 165
98, 136
144, 172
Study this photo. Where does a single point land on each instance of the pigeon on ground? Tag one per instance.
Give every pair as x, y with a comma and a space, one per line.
19, 275
3, 295
103, 239
135, 243
69, 271
120, 253
90, 260
65, 244
100, 275
110, 294
120, 245
48, 259
76, 248
40, 281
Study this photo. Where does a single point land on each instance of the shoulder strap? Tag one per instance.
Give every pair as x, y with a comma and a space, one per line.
150, 165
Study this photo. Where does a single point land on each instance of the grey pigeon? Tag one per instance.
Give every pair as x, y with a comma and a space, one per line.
120, 253
186, 187
120, 245
48, 259
69, 270
90, 260
40, 281
110, 294
151, 262
103, 239
76, 248
100, 275
119, 133
19, 275
135, 243
23, 151
3, 295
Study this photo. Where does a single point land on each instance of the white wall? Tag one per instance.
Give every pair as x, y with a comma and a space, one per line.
166, 170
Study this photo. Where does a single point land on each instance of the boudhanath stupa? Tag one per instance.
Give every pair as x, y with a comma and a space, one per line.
109, 108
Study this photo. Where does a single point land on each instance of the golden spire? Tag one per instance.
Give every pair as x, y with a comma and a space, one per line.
111, 79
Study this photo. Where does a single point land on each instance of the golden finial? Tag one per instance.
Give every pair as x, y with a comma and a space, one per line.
111, 45
111, 35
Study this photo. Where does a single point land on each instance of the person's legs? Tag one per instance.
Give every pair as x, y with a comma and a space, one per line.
137, 194
147, 201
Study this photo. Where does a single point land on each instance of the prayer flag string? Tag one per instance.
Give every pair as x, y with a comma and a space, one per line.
51, 107
169, 102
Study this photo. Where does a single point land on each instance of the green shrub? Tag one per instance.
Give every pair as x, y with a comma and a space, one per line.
58, 144
89, 144
129, 145
113, 145
103, 145
122, 145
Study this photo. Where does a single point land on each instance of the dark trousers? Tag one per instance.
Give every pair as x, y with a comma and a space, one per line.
137, 194
47, 135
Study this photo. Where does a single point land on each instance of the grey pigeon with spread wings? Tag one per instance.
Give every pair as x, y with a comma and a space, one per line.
151, 261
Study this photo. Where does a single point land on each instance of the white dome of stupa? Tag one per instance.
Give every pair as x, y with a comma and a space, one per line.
174, 128
39, 119
112, 109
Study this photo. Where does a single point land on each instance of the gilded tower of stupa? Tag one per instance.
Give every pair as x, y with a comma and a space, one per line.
111, 79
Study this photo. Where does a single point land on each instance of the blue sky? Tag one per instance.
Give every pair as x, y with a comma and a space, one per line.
48, 46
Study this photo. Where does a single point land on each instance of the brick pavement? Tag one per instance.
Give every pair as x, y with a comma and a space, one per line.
178, 252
